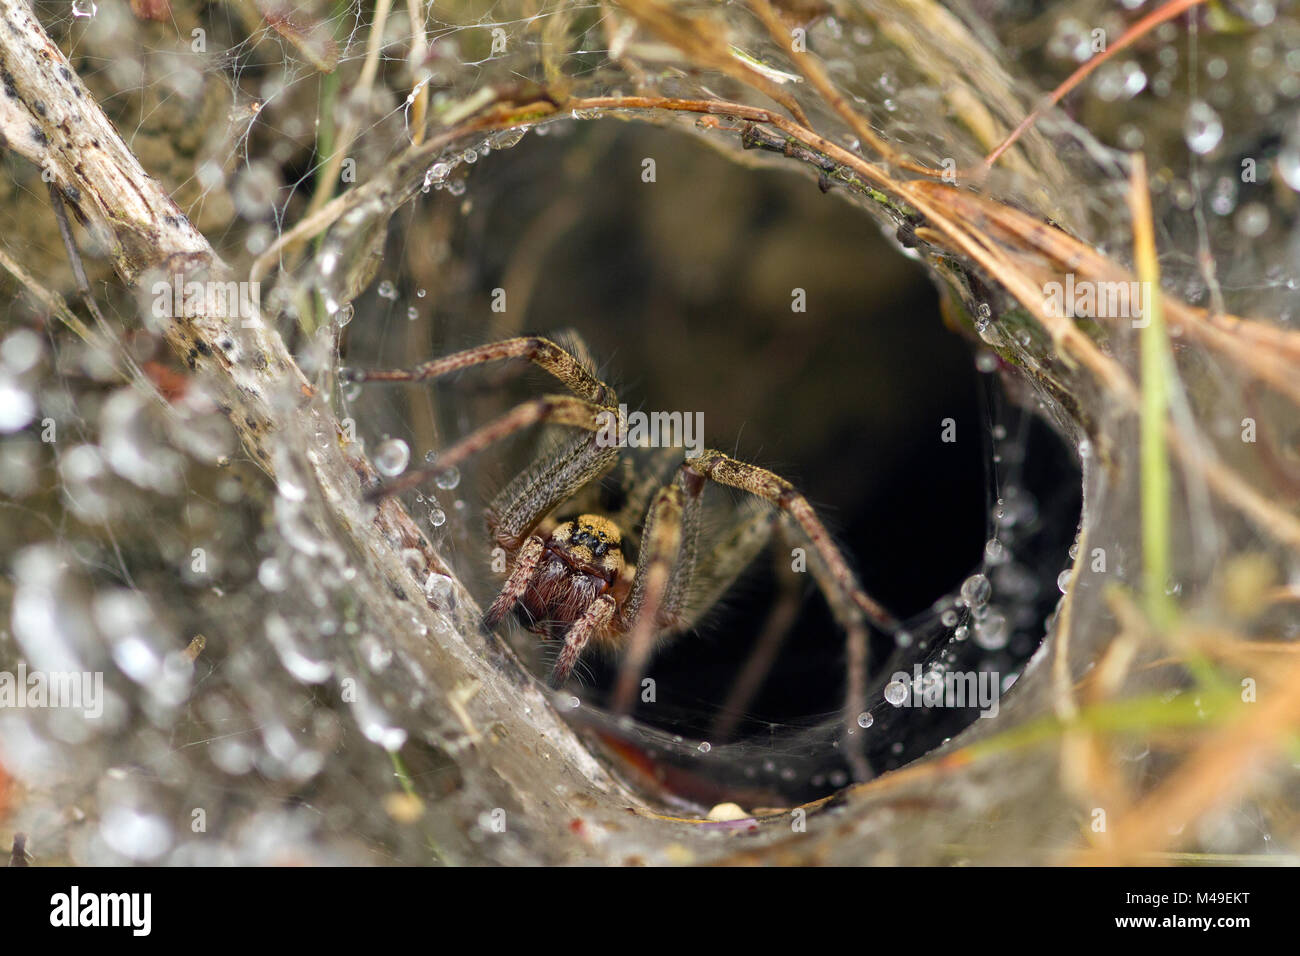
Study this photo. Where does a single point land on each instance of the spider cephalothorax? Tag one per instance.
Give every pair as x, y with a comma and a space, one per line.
574, 584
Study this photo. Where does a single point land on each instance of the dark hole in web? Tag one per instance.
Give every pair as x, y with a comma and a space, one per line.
683, 289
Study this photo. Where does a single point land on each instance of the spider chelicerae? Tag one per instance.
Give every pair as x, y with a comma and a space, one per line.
571, 577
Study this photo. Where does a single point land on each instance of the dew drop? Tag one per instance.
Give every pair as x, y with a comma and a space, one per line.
270, 574
86, 483
21, 350
392, 457
1223, 197
377, 656
437, 588
1135, 81
290, 489
17, 407
1070, 40
896, 693
975, 590
256, 189
1288, 161
1252, 220
507, 137
1202, 127
139, 836
991, 632
865, 719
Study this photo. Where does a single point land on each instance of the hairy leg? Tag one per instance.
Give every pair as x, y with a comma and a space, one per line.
851, 605
597, 616
643, 611
856, 640
762, 657
672, 587
526, 563
549, 409
736, 548
566, 466
722, 468
542, 352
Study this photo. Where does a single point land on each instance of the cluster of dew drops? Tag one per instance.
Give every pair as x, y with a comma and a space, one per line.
988, 629
439, 175
1275, 75
392, 457
972, 613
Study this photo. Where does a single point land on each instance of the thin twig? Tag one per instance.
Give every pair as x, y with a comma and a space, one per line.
52, 301
1140, 29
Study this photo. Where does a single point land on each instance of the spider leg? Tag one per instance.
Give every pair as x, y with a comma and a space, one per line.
855, 644
555, 477
735, 551
565, 467
672, 588
644, 608
598, 615
851, 605
552, 409
639, 478
762, 657
526, 563
722, 468
542, 352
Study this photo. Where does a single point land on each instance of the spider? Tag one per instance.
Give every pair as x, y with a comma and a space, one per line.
571, 579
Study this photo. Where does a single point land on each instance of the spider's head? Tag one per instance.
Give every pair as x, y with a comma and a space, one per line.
593, 542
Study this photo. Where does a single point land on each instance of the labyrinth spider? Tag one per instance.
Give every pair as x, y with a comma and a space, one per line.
570, 579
